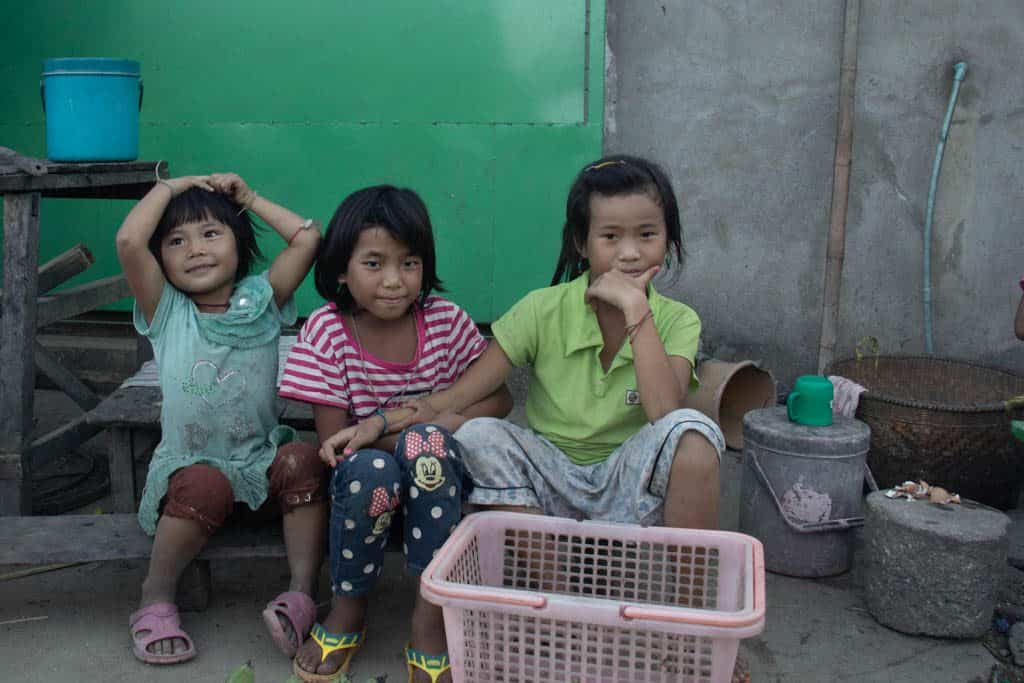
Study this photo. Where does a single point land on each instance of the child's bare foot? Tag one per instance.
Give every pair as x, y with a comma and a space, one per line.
430, 644
345, 617
428, 638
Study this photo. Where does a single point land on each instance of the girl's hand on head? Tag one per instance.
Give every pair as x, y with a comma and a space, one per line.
617, 289
232, 185
186, 182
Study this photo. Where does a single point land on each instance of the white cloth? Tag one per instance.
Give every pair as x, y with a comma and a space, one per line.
845, 396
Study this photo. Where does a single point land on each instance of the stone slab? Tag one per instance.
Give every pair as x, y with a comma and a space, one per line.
931, 569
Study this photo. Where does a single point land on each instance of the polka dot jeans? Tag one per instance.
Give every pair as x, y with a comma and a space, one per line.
425, 475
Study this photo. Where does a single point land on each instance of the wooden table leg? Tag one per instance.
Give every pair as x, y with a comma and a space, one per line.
122, 470
128, 445
17, 362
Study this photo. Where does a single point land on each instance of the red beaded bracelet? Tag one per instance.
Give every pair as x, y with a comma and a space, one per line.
305, 225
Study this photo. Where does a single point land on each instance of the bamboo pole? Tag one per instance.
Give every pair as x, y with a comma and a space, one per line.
840, 188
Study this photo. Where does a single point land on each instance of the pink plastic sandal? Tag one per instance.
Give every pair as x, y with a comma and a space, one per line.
162, 621
299, 609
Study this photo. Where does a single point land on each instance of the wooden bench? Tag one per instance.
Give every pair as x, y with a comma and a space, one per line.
132, 416
60, 539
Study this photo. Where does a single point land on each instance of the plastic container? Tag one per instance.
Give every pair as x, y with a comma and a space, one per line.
535, 598
92, 108
802, 490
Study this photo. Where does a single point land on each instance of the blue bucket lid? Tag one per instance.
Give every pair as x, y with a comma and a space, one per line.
90, 65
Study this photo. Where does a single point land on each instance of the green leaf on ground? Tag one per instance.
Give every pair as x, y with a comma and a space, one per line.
243, 674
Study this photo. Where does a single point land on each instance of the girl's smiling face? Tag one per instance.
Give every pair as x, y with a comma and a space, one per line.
201, 259
627, 233
383, 275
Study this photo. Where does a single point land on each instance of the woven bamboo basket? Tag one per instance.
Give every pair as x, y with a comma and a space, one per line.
941, 420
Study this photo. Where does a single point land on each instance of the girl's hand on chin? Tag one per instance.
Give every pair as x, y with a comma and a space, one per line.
618, 289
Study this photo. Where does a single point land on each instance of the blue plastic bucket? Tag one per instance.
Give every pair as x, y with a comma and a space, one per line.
92, 109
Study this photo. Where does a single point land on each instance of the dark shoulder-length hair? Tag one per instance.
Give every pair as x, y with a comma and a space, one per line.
196, 204
401, 212
611, 176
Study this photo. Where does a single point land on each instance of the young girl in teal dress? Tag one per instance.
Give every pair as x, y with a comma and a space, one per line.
187, 249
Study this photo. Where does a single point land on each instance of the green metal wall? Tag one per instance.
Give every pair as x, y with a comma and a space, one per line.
485, 107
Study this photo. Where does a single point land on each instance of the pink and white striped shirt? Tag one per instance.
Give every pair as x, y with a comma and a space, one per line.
325, 366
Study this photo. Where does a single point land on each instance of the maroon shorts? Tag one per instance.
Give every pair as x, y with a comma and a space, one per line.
203, 494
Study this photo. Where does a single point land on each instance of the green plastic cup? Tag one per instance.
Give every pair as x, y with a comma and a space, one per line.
810, 402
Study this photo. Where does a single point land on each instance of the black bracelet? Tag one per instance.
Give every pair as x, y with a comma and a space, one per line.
384, 429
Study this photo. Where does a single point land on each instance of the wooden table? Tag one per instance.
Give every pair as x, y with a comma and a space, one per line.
23, 183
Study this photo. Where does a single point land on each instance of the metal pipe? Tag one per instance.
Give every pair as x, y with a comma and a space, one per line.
840, 188
959, 72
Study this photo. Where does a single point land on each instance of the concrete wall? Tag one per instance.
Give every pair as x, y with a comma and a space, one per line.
738, 99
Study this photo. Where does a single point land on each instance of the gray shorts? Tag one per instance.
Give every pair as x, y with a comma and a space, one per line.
512, 465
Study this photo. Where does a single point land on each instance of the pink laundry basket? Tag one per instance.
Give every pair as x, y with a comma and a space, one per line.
534, 598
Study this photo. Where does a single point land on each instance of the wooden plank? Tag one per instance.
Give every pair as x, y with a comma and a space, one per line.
122, 470
64, 378
128, 407
53, 539
30, 165
11, 478
118, 191
17, 364
140, 407
61, 441
97, 538
62, 268
296, 414
128, 180
77, 300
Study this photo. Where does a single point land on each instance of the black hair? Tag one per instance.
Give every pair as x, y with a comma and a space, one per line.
401, 212
613, 176
196, 204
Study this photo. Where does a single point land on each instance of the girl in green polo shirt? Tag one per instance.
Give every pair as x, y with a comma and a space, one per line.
612, 361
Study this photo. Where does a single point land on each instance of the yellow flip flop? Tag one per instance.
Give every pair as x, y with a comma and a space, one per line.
330, 643
432, 665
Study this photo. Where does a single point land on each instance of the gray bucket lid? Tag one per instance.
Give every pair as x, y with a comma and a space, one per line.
771, 428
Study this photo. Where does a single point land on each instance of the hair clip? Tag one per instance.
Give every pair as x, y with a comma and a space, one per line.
604, 164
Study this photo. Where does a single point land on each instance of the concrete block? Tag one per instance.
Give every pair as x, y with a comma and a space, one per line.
933, 569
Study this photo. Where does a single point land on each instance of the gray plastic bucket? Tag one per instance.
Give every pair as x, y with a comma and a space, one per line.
802, 490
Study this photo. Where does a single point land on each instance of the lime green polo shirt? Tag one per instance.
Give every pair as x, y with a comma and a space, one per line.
584, 411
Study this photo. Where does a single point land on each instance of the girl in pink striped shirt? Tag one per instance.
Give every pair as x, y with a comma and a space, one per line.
381, 340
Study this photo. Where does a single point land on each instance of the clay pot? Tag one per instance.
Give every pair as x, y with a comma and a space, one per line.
728, 391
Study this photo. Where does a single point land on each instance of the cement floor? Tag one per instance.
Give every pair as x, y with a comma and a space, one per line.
71, 624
